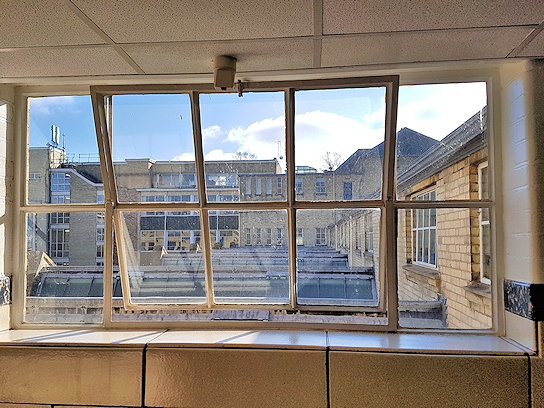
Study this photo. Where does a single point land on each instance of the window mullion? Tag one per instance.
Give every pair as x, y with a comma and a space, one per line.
108, 265
291, 212
389, 228
201, 186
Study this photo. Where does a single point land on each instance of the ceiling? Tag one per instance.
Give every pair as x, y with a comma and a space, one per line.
106, 38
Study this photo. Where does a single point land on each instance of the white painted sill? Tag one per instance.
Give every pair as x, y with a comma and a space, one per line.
412, 343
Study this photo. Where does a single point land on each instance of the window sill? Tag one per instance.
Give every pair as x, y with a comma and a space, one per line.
422, 270
480, 289
414, 343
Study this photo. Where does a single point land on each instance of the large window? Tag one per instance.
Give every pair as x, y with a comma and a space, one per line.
190, 237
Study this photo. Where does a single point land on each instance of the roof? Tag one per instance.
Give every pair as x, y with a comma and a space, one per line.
467, 139
409, 144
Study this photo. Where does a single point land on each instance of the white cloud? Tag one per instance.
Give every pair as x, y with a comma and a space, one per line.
316, 133
445, 108
184, 157
211, 132
51, 104
216, 154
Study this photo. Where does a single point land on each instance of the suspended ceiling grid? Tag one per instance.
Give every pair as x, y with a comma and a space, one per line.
82, 38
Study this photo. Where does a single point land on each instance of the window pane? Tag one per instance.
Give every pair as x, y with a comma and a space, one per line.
339, 138
244, 145
452, 293
251, 274
64, 272
327, 274
438, 126
63, 163
164, 257
153, 147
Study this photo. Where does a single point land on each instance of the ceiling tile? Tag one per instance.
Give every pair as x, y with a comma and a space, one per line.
29, 23
258, 55
63, 62
446, 45
128, 21
354, 16
535, 48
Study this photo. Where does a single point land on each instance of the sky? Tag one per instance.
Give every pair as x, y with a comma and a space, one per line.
336, 121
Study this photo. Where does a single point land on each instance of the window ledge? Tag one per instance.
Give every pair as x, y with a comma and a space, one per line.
422, 270
480, 289
415, 343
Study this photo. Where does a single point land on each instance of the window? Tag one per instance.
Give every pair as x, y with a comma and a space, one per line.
248, 236
348, 191
170, 266
60, 181
485, 229
59, 243
248, 186
298, 185
424, 232
35, 176
320, 236
300, 237
151, 240
320, 185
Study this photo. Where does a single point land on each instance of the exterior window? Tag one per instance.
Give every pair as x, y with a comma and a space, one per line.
151, 239
320, 185
298, 185
268, 186
424, 232
485, 229
153, 199
100, 233
369, 233
248, 236
279, 185
320, 236
60, 181
300, 237
279, 236
258, 240
258, 186
348, 191
248, 186
269, 236
59, 243
99, 252
222, 180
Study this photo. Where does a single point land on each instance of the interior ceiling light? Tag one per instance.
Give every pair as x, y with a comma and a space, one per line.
224, 70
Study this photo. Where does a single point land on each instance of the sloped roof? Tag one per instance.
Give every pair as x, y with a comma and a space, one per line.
409, 144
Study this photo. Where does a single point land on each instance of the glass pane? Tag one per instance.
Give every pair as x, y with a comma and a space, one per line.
339, 137
327, 274
452, 294
64, 273
256, 272
441, 139
153, 148
244, 146
63, 163
164, 257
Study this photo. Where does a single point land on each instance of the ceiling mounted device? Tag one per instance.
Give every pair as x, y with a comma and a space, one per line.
224, 70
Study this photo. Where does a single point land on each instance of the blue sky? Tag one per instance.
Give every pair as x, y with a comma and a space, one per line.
342, 121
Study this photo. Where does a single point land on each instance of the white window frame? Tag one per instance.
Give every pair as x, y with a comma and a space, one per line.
320, 185
482, 221
387, 203
421, 230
